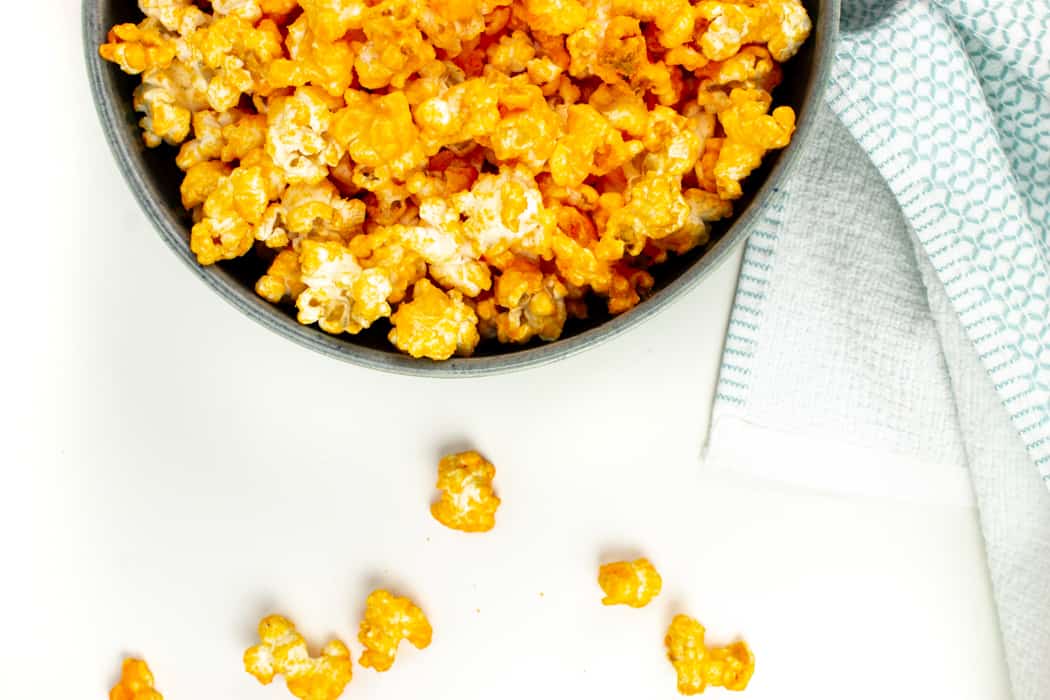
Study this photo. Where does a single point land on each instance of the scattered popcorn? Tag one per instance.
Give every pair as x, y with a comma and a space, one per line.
453, 170
632, 583
136, 682
388, 620
467, 501
282, 651
699, 666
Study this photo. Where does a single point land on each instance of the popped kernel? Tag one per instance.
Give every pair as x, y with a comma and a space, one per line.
389, 619
467, 501
634, 583
434, 324
283, 279
699, 666
282, 651
136, 682
137, 47
750, 133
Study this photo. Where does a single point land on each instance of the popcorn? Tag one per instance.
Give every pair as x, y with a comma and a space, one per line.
395, 48
459, 169
313, 60
179, 16
388, 620
467, 501
699, 666
231, 211
377, 131
590, 146
136, 48
331, 19
249, 10
434, 324
282, 651
236, 54
200, 181
136, 682
317, 212
283, 279
526, 303
673, 18
634, 583
169, 96
298, 140
505, 212
340, 295
750, 133
781, 24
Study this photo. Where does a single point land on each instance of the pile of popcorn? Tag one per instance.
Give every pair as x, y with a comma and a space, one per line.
465, 169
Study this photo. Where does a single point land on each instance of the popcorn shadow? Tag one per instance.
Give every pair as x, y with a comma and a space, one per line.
453, 445
618, 552
393, 585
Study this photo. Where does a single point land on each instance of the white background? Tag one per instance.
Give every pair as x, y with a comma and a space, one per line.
172, 472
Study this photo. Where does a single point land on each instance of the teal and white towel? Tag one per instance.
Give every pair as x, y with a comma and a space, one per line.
893, 310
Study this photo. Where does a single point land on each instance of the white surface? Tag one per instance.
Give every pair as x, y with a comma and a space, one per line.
174, 472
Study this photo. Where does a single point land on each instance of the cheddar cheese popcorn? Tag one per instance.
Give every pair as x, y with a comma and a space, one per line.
467, 501
388, 620
136, 682
632, 583
282, 651
452, 173
699, 666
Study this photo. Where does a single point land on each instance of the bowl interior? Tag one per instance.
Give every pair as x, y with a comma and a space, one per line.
155, 180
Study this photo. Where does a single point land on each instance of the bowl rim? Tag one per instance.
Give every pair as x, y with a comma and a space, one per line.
245, 301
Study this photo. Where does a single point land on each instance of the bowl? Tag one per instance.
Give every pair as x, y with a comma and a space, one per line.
154, 180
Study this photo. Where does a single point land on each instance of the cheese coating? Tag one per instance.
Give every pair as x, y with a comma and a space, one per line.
388, 620
136, 682
282, 651
634, 583
459, 171
467, 501
699, 666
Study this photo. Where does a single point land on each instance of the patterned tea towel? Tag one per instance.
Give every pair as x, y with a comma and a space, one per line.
891, 330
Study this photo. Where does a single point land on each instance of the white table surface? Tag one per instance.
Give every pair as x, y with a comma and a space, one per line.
175, 472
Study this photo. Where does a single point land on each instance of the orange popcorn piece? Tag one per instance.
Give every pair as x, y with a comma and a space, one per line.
231, 211
136, 682
388, 620
312, 60
377, 131
699, 666
282, 651
590, 146
526, 304
331, 19
467, 501
283, 279
750, 133
136, 48
634, 583
434, 324
781, 24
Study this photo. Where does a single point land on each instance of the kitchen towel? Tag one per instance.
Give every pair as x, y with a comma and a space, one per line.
893, 309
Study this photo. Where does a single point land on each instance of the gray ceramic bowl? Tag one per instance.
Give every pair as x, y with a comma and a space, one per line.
154, 179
